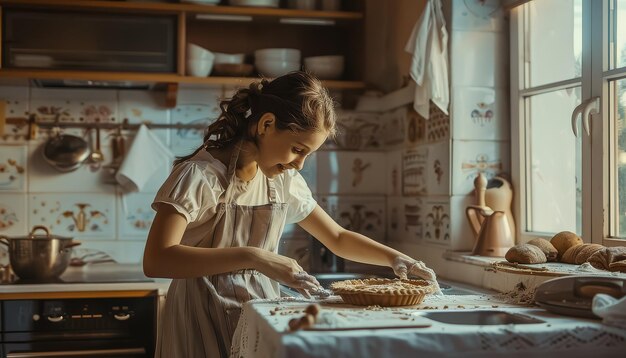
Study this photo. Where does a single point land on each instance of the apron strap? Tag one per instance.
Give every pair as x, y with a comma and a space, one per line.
271, 191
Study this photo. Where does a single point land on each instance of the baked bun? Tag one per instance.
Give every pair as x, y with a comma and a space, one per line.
548, 249
525, 254
564, 240
603, 258
586, 251
569, 257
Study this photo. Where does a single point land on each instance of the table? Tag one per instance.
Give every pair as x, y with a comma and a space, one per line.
261, 333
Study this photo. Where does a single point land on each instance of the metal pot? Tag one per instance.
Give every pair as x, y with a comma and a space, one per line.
66, 152
39, 257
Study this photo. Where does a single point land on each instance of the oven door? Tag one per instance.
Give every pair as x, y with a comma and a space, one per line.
71, 349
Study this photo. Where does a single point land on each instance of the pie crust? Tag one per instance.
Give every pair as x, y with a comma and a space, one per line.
382, 291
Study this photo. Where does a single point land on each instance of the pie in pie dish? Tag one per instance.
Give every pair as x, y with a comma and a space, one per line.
382, 291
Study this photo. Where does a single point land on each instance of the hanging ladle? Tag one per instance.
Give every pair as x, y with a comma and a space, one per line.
96, 156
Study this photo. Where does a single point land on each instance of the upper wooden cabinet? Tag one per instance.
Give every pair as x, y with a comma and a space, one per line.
221, 28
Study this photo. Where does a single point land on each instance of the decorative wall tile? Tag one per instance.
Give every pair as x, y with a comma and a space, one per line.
437, 221
480, 114
71, 105
16, 99
473, 157
478, 15
134, 215
195, 106
405, 219
394, 128
362, 214
415, 128
438, 125
77, 215
461, 236
298, 249
438, 169
357, 131
351, 172
479, 59
13, 214
13, 167
144, 106
394, 172
415, 171
44, 178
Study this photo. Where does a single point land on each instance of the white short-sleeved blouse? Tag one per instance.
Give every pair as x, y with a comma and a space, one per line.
194, 188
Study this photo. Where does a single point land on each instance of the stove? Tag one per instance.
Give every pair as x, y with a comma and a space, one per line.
80, 327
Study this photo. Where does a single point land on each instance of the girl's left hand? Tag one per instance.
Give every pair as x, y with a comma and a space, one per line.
404, 267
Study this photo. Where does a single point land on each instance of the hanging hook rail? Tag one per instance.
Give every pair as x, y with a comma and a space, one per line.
125, 125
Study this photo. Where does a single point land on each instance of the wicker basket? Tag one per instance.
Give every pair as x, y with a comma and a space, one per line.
382, 292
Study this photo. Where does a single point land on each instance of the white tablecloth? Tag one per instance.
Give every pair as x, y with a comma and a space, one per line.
264, 334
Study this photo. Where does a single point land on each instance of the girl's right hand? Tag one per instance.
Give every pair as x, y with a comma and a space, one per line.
286, 271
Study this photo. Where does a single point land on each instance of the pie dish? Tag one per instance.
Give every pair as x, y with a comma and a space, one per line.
382, 291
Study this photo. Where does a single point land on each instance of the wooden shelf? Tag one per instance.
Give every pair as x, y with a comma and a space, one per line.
153, 78
185, 8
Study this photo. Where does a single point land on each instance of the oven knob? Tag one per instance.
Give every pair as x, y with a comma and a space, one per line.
121, 316
55, 319
36, 317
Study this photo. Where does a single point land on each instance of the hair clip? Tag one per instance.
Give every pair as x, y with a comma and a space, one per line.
248, 113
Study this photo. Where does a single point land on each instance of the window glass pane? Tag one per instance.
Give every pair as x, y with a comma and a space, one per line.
555, 40
620, 33
620, 125
555, 163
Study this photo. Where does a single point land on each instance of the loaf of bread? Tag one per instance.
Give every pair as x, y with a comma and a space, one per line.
525, 254
619, 266
569, 257
602, 259
548, 249
563, 241
580, 254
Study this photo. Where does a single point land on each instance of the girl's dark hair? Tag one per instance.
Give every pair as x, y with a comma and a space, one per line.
298, 101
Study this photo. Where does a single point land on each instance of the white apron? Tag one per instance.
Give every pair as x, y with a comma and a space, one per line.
201, 314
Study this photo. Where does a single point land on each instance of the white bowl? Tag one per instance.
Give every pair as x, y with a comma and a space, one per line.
199, 68
201, 2
195, 52
276, 68
229, 57
260, 3
279, 54
325, 67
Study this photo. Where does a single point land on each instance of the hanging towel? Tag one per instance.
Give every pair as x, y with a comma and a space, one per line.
429, 66
147, 159
611, 309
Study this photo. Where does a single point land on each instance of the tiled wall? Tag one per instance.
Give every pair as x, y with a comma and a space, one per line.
85, 203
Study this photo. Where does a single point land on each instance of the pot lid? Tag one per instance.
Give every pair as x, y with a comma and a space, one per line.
32, 236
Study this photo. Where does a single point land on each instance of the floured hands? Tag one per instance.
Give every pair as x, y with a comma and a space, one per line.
405, 267
286, 271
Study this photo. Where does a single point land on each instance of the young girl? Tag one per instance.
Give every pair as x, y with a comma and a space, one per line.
220, 214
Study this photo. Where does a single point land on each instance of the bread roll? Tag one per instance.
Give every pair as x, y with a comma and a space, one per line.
564, 240
525, 254
586, 251
569, 257
548, 249
603, 258
618, 266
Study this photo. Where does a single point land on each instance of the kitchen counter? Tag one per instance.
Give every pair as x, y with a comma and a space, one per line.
554, 336
95, 280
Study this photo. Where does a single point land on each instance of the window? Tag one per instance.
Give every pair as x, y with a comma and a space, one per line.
568, 55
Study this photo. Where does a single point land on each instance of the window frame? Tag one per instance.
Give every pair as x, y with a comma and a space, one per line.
599, 176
